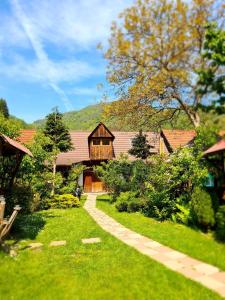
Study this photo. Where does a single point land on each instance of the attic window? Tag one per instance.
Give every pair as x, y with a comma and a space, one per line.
105, 142
96, 142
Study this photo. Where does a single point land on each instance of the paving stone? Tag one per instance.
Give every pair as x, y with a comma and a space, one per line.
174, 265
189, 272
91, 241
146, 251
221, 291
219, 276
152, 244
189, 261
206, 269
175, 255
57, 243
210, 282
12, 253
35, 246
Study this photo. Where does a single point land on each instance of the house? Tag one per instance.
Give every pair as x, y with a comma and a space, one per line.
14, 152
92, 148
216, 157
173, 139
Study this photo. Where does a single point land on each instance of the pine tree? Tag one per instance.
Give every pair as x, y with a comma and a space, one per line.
140, 146
4, 108
60, 140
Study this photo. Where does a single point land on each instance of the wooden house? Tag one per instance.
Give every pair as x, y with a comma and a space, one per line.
11, 155
216, 157
92, 148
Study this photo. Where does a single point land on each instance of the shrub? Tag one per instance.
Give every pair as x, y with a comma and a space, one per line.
202, 208
134, 206
121, 206
64, 201
159, 206
23, 196
220, 223
124, 199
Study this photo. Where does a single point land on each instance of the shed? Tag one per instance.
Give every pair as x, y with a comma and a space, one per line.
11, 155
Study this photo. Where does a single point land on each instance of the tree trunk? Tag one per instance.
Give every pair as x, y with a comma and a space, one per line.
193, 115
53, 177
194, 118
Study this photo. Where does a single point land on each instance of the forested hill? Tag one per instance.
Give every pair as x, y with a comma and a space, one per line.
84, 119
88, 117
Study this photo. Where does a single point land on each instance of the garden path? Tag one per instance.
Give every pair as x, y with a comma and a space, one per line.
208, 275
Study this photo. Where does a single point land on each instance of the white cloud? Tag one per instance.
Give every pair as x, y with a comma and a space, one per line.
68, 26
58, 71
74, 23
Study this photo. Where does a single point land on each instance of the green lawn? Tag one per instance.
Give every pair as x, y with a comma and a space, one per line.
108, 270
177, 236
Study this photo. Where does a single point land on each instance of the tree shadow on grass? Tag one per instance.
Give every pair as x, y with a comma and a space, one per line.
104, 198
27, 226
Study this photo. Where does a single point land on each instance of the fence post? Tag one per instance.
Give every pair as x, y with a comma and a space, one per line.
2, 208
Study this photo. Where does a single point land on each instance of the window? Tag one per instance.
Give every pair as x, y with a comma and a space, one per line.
105, 142
96, 142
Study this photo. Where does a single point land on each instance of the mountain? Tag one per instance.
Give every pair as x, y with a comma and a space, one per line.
84, 119
88, 117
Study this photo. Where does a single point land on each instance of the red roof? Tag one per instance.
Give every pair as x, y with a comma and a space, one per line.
218, 147
26, 136
121, 144
178, 138
15, 144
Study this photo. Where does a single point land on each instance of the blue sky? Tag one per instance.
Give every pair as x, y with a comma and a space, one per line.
48, 54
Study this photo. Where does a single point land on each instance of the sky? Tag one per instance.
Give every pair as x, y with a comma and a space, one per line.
49, 55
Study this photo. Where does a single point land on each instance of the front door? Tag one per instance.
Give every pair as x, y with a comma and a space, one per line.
88, 183
92, 184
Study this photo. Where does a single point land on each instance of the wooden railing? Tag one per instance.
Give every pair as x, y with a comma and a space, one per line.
6, 224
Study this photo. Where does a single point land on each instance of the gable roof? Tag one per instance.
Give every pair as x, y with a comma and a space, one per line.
178, 138
218, 147
26, 136
13, 145
101, 131
121, 144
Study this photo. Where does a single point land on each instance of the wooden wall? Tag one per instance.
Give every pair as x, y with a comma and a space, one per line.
99, 152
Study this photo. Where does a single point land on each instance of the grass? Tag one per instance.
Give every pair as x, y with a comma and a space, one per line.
180, 237
107, 270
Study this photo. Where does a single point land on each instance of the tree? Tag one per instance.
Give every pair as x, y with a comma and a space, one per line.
140, 146
4, 108
154, 56
212, 77
60, 140
10, 127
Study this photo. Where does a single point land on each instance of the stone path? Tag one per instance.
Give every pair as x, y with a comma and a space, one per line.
206, 274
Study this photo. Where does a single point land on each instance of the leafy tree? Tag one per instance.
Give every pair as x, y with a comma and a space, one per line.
212, 77
60, 140
140, 146
154, 56
4, 108
123, 175
9, 127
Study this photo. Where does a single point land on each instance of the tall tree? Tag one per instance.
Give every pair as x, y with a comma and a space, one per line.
60, 140
4, 108
212, 76
154, 56
140, 146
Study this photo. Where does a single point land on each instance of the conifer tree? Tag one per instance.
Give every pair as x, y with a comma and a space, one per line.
60, 140
140, 146
4, 108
